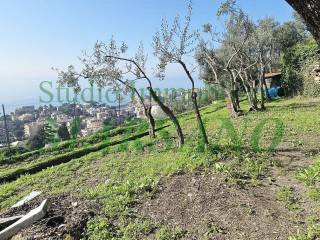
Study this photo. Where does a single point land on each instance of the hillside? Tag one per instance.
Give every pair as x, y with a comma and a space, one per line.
123, 185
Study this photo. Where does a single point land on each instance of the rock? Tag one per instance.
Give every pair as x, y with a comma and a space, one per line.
26, 199
5, 222
27, 220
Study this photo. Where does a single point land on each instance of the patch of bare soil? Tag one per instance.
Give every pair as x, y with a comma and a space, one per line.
206, 207
66, 216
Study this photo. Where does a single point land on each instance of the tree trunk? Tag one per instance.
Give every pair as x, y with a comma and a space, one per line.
234, 108
254, 98
152, 124
199, 119
250, 91
262, 92
309, 10
170, 114
266, 88
195, 104
254, 92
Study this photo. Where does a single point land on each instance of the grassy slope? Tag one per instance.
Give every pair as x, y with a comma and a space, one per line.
116, 177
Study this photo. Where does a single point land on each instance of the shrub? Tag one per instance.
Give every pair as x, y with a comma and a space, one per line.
311, 82
293, 61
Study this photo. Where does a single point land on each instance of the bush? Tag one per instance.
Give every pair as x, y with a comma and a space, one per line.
293, 61
311, 83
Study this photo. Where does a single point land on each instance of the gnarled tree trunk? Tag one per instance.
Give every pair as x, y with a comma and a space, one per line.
170, 114
199, 119
309, 10
195, 105
152, 124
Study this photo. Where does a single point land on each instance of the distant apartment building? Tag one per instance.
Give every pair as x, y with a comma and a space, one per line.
103, 116
94, 124
63, 118
27, 117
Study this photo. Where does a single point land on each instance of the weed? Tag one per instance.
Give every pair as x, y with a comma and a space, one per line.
136, 146
286, 195
314, 194
312, 232
213, 230
105, 152
310, 175
166, 233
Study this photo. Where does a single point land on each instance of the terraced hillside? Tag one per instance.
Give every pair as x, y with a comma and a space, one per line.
259, 179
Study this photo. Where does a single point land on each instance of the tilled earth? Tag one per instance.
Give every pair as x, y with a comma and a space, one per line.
66, 216
204, 206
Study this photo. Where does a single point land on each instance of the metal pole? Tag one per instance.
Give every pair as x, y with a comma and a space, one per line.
6, 127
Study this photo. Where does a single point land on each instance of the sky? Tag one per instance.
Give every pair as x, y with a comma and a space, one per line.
37, 35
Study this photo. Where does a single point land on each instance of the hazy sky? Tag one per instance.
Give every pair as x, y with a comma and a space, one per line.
39, 34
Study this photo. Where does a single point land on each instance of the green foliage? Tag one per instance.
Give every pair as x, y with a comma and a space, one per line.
75, 127
99, 228
122, 178
286, 195
63, 132
36, 141
277, 134
143, 126
105, 152
167, 138
312, 233
228, 126
167, 233
311, 87
314, 194
293, 61
311, 174
136, 146
242, 169
123, 147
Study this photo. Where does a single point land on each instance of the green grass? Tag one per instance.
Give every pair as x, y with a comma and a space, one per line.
311, 174
117, 176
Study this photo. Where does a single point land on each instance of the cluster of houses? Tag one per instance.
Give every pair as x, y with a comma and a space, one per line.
93, 116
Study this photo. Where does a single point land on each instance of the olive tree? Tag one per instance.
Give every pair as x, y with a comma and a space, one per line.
109, 66
173, 44
104, 72
222, 59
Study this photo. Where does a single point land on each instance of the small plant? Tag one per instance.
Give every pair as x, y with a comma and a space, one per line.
313, 232
254, 168
213, 230
99, 228
314, 194
166, 233
286, 195
310, 175
166, 137
105, 152
123, 147
136, 146
143, 127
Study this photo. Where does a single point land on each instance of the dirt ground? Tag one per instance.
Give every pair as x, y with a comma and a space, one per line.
66, 216
206, 207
